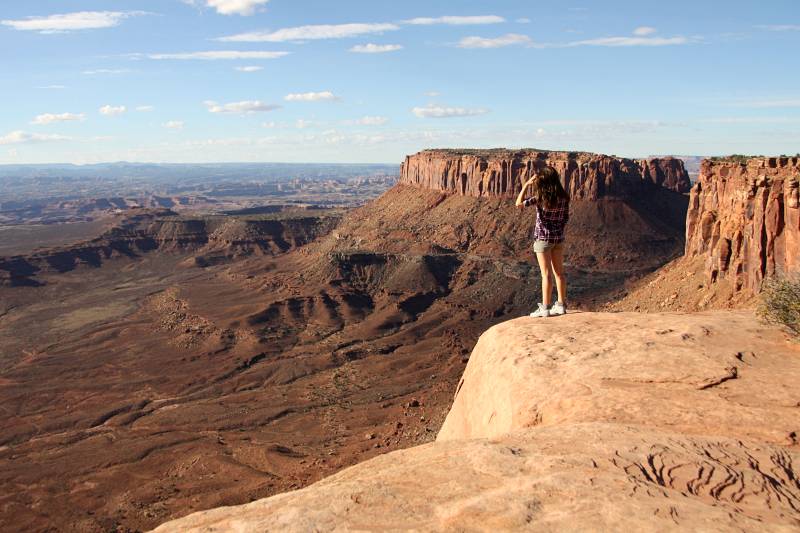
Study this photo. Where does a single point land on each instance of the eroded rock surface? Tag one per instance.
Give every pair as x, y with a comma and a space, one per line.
744, 219
487, 173
589, 421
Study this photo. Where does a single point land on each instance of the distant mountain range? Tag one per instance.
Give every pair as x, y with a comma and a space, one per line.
171, 172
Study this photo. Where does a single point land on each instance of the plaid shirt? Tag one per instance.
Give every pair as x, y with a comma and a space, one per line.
550, 223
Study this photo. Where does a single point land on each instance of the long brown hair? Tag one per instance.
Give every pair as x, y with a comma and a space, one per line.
547, 188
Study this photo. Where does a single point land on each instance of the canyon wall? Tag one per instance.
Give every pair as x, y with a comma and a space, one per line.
490, 173
744, 219
213, 238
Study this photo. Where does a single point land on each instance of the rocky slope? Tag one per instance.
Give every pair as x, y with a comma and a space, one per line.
487, 173
743, 226
625, 218
588, 421
210, 239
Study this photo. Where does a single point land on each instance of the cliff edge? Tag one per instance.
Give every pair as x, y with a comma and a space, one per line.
742, 227
501, 172
587, 421
744, 218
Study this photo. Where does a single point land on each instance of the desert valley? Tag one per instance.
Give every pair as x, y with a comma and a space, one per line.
178, 362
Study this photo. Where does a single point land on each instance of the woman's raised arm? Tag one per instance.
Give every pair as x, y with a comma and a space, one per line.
521, 196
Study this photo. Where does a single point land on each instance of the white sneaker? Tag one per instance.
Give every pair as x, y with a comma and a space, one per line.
558, 308
541, 312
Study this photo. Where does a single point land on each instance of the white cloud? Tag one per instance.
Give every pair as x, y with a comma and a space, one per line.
510, 39
82, 20
372, 121
310, 97
456, 20
106, 71
302, 124
371, 48
249, 68
21, 137
53, 87
234, 141
632, 41
434, 111
111, 111
433, 94
246, 107
779, 27
145, 108
523, 20
49, 118
770, 103
752, 120
220, 54
271, 124
644, 31
13, 152
308, 33
236, 7
174, 125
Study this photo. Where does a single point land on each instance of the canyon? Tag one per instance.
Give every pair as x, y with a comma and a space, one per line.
643, 421
264, 352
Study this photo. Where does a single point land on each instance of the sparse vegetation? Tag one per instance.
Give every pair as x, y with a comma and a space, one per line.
499, 152
734, 158
780, 303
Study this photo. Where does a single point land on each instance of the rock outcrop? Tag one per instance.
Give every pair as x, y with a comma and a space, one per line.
212, 238
588, 421
488, 173
744, 219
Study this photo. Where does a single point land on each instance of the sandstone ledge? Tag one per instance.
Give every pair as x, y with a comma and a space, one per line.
589, 421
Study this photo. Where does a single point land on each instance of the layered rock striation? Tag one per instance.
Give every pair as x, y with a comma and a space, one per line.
211, 238
489, 173
744, 220
589, 421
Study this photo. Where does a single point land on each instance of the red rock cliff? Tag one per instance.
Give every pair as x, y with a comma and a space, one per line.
744, 218
486, 173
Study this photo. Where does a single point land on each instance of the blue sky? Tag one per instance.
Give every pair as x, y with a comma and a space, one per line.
362, 81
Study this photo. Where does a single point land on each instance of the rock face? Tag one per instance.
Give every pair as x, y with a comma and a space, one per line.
744, 219
667, 172
488, 173
588, 421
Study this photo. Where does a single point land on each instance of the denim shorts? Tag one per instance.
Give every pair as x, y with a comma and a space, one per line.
543, 246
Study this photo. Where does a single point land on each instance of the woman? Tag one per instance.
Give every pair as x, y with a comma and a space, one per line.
552, 213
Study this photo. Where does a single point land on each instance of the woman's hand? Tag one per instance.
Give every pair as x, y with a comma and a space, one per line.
521, 197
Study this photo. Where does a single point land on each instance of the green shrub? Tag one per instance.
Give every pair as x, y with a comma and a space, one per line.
780, 303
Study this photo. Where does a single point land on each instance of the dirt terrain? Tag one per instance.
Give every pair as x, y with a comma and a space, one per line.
175, 364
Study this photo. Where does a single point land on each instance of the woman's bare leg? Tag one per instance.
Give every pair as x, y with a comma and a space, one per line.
557, 256
545, 261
